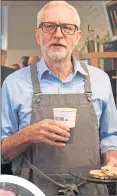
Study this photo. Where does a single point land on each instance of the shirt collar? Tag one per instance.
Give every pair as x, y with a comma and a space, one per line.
78, 67
42, 67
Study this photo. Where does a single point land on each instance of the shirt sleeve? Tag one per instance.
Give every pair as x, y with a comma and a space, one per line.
108, 125
9, 114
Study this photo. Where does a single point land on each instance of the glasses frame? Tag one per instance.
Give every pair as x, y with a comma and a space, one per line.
58, 25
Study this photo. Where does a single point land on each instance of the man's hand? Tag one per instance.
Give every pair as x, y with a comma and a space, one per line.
110, 158
50, 132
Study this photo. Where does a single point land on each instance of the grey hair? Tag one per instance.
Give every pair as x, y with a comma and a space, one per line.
10, 187
52, 3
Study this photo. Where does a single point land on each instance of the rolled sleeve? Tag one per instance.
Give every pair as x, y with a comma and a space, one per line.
108, 126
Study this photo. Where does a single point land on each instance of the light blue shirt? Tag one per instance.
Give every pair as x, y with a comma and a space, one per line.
17, 94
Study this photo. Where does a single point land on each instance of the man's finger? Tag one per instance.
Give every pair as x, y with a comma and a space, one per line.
62, 125
56, 129
53, 136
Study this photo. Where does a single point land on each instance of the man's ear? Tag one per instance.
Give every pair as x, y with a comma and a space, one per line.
79, 37
37, 36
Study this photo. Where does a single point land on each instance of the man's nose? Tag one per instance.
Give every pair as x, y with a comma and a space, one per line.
58, 33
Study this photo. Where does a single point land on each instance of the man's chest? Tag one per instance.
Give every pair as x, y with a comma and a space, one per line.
23, 99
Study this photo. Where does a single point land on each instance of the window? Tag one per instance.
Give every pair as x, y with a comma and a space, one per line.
4, 27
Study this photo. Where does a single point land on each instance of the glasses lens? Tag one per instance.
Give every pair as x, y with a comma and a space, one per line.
49, 27
68, 28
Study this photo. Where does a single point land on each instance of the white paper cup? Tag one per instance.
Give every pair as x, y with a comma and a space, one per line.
65, 115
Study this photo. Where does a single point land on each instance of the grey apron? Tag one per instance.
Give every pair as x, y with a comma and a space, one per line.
57, 162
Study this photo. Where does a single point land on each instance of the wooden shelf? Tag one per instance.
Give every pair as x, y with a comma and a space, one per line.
95, 56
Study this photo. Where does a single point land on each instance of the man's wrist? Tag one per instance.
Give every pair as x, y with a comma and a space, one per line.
110, 153
109, 157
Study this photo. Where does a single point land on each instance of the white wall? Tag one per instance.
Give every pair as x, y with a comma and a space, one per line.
22, 23
21, 38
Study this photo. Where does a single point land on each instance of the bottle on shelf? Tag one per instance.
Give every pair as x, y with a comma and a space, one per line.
91, 40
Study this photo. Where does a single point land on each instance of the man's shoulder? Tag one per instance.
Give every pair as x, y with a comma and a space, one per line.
94, 72
18, 76
99, 79
5, 71
97, 73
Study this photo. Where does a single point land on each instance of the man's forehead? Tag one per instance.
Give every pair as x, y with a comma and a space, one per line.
60, 13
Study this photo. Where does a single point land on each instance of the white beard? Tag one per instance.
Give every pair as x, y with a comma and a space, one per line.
57, 54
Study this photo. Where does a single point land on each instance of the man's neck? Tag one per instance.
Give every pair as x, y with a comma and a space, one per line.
62, 69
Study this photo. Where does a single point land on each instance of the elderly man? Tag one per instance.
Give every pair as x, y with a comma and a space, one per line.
37, 144
8, 189
33, 60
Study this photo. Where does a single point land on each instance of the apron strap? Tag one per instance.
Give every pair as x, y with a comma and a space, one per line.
35, 80
66, 189
35, 83
88, 90
39, 172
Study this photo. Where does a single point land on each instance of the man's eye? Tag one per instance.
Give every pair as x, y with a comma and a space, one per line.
67, 27
49, 26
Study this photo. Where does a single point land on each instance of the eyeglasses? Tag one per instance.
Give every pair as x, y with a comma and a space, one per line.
50, 27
